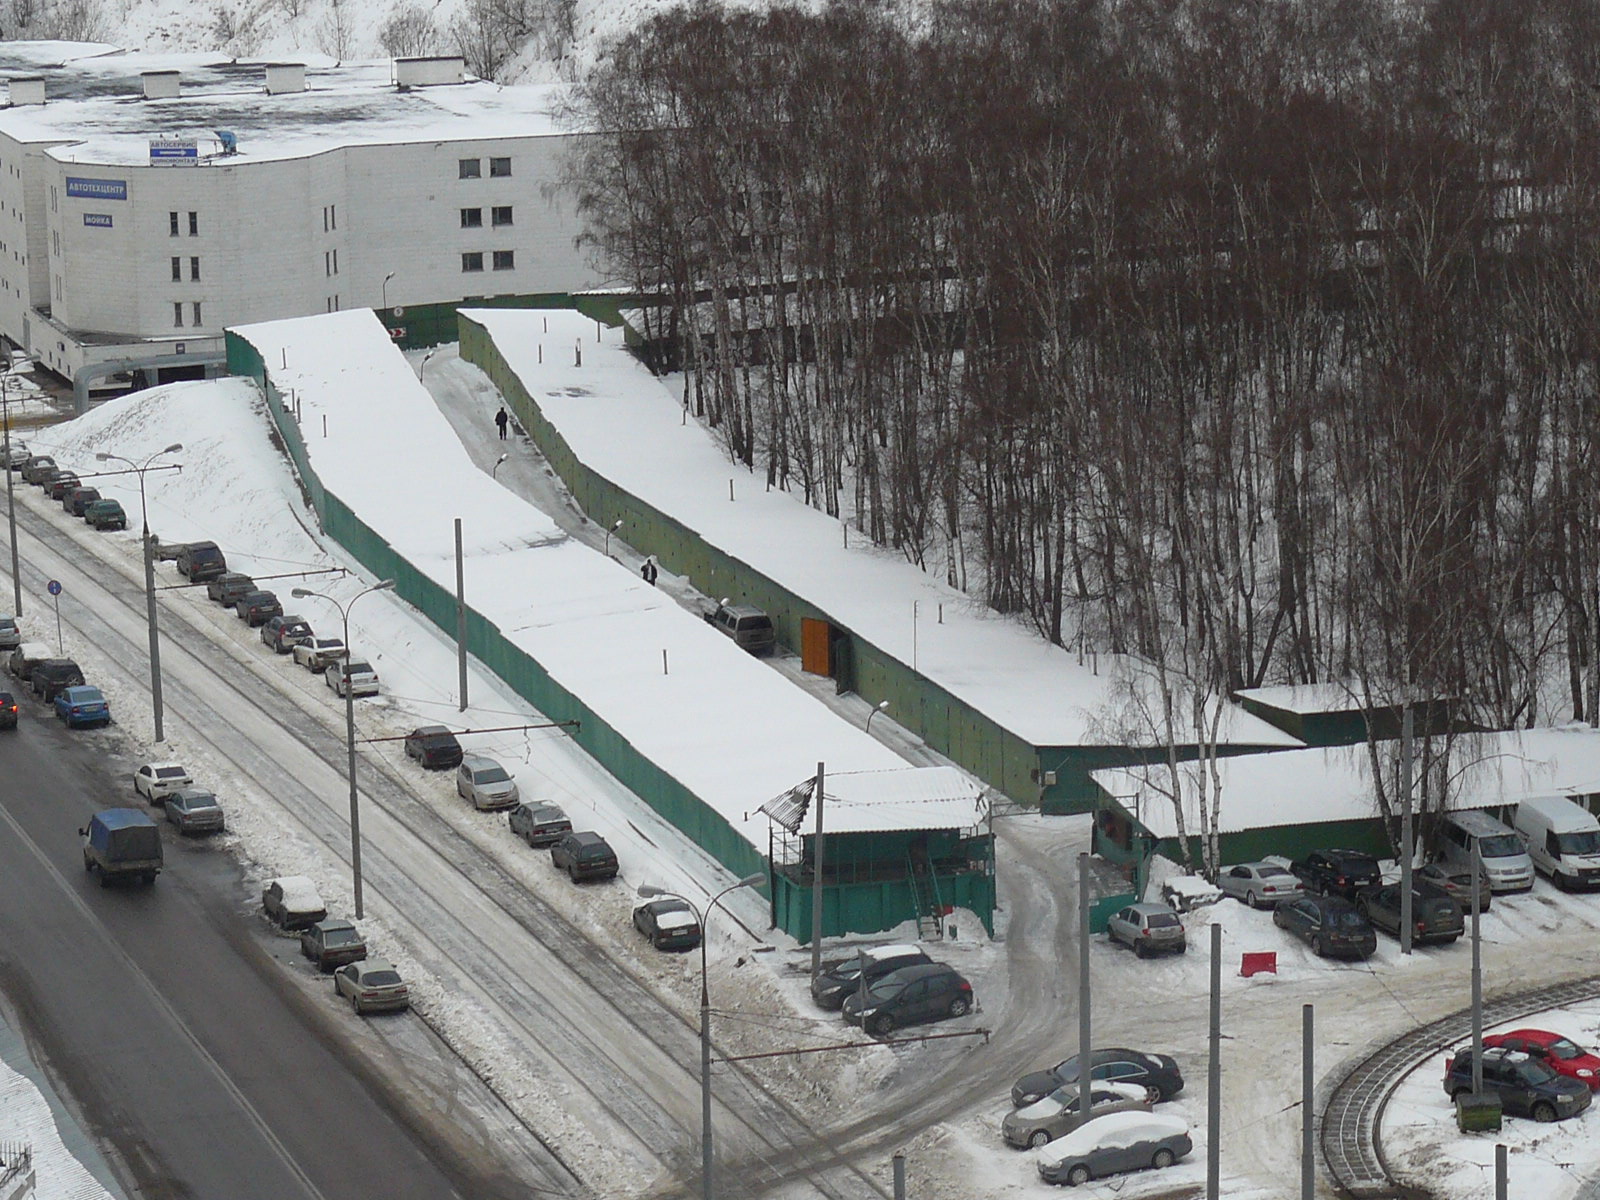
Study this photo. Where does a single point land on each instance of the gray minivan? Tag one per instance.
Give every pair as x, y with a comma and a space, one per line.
1472, 834
201, 561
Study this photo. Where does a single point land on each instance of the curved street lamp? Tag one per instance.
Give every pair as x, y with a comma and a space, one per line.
382, 585
495, 470
647, 890
615, 525
883, 706
149, 576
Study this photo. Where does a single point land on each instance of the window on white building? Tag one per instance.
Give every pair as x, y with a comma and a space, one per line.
502, 215
472, 261
195, 313
505, 260
177, 314
472, 218
194, 268
469, 168
172, 224
194, 224
499, 168
177, 268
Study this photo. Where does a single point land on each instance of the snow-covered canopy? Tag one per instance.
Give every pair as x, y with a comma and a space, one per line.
885, 801
1303, 787
626, 426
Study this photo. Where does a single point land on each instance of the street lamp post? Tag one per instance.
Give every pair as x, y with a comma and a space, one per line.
11, 503
423, 365
149, 578
386, 279
615, 525
350, 726
495, 470
647, 890
883, 706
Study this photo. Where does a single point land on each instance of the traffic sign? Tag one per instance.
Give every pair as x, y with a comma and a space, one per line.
54, 587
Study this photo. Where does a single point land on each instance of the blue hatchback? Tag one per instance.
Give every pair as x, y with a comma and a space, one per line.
79, 706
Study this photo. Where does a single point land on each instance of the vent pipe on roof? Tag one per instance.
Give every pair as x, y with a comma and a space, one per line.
285, 77
160, 85
424, 72
28, 89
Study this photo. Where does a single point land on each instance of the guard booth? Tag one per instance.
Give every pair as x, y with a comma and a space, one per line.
897, 846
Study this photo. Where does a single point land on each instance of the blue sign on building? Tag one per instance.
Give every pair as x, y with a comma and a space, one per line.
98, 189
174, 150
97, 220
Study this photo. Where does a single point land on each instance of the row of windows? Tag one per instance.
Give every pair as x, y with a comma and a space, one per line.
330, 217
503, 260
177, 268
472, 218
177, 313
472, 168
173, 224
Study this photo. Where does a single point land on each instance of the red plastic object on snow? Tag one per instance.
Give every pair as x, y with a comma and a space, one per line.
1258, 962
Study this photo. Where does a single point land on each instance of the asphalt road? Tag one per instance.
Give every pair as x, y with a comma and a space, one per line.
168, 1016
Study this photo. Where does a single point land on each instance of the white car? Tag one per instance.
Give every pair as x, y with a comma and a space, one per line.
156, 781
486, 783
1260, 884
316, 654
357, 677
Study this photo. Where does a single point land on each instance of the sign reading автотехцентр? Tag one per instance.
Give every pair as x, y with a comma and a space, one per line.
97, 189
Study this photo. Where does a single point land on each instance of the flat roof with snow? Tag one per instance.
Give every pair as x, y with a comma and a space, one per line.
1304, 787
625, 425
727, 727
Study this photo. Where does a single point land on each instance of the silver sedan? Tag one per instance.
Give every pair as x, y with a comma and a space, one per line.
1260, 884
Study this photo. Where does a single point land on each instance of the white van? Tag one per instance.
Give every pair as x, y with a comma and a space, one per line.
1563, 840
1472, 834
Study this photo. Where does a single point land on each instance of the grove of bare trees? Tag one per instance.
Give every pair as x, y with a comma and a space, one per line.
1255, 338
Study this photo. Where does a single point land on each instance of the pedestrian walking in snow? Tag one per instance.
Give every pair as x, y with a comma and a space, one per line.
648, 570
501, 420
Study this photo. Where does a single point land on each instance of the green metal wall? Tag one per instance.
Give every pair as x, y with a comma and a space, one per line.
434, 324
875, 906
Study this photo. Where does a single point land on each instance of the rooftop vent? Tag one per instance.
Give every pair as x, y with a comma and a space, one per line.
28, 89
160, 85
285, 77
423, 72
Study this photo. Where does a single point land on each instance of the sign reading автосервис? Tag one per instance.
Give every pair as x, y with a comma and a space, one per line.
97, 189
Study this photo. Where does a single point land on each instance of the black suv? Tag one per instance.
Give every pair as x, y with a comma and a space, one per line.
257, 608
1337, 872
230, 587
1527, 1088
54, 675
910, 996
584, 856
1330, 925
839, 978
435, 747
1435, 915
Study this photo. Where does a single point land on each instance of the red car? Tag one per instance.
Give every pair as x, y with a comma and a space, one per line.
1561, 1055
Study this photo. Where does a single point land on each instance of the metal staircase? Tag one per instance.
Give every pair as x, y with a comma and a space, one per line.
925, 897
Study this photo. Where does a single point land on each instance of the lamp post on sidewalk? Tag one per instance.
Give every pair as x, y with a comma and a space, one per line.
11, 503
149, 577
382, 585
647, 890
495, 470
386, 279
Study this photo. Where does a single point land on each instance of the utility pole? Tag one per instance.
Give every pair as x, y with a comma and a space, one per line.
1406, 852
1214, 1077
1477, 980
461, 618
816, 881
1308, 1162
1085, 1044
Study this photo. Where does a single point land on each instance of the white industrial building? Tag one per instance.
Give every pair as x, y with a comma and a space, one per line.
148, 201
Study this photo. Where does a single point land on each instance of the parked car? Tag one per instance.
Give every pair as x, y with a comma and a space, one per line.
292, 902
25, 658
1328, 924
82, 706
1527, 1088
257, 607
1458, 882
1260, 884
37, 466
317, 654
1337, 872
1147, 929
333, 943
584, 855
1561, 1055
156, 781
1056, 1115
200, 561
19, 454
8, 711
372, 986
167, 551
193, 810
47, 477
229, 588
283, 633
434, 746
49, 677
1563, 840
1435, 916
105, 514
909, 996
842, 976
1115, 1065
1471, 836
486, 783
58, 485
748, 626
539, 822
669, 923
75, 500
1114, 1144
359, 679
10, 633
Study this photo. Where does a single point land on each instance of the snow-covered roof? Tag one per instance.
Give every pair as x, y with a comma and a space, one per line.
95, 106
629, 428
885, 801
725, 725
1304, 699
676, 919
1302, 787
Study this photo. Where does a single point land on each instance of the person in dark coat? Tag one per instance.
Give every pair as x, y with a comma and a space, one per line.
501, 420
